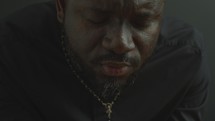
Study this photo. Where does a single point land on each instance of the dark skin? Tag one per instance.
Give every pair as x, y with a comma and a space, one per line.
112, 39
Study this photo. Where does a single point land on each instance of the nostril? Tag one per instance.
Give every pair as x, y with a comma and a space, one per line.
123, 48
118, 46
106, 43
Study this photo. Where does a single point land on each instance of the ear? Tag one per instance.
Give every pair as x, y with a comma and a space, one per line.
60, 6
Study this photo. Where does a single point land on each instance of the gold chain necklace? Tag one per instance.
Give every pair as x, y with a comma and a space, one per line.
108, 106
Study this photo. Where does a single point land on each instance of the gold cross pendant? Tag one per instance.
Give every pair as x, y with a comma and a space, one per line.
108, 107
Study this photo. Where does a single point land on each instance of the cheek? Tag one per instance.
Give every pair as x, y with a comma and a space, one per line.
145, 41
83, 37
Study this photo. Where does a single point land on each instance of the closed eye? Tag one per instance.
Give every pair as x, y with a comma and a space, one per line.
96, 17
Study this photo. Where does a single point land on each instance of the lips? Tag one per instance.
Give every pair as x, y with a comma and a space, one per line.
115, 68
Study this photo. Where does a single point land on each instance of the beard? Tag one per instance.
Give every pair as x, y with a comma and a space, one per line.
112, 86
106, 88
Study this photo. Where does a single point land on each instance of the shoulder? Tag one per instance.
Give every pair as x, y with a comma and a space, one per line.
29, 33
179, 40
33, 21
180, 53
35, 25
175, 32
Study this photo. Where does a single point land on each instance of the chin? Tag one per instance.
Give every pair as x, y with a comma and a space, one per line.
116, 81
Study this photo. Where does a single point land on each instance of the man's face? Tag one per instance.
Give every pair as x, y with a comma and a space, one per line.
112, 39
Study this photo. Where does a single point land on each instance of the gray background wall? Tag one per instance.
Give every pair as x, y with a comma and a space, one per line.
199, 13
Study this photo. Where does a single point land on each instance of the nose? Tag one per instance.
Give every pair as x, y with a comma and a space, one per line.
118, 39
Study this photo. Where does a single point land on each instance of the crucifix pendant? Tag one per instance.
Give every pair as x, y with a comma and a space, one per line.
108, 107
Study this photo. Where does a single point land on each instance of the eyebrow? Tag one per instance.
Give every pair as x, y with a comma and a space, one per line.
151, 7
144, 5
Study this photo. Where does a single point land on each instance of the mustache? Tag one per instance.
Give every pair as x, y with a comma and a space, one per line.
117, 57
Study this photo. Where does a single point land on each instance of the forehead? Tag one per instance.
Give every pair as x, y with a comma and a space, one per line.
116, 4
